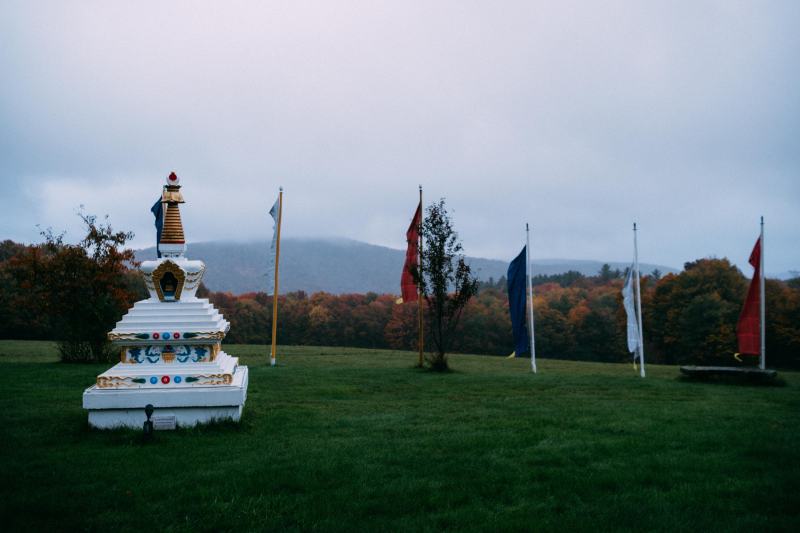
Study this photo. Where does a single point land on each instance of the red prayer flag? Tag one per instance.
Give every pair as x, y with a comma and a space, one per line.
408, 288
748, 330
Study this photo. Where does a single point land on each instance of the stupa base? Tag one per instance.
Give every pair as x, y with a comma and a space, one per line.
118, 408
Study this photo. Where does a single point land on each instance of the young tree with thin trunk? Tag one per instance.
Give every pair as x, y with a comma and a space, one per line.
446, 282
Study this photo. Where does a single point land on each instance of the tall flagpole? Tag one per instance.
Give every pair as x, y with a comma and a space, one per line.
762, 359
529, 273
638, 301
275, 291
420, 323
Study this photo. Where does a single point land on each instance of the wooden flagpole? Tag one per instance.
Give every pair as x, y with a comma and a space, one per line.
275, 291
762, 297
420, 323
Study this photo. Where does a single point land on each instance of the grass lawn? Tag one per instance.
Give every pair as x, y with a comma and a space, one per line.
347, 439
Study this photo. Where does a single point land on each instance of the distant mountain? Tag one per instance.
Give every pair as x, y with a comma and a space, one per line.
339, 266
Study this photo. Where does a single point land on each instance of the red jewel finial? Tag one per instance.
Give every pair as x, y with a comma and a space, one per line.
173, 179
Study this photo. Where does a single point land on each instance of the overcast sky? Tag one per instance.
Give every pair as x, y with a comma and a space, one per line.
579, 118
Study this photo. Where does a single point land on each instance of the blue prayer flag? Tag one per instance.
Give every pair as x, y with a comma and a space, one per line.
158, 212
517, 298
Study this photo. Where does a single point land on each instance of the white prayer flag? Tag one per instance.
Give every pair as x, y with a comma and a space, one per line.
271, 269
630, 311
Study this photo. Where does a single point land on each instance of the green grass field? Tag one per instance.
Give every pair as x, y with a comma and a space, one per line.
352, 440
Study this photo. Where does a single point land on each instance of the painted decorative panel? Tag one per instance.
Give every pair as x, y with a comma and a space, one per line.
179, 353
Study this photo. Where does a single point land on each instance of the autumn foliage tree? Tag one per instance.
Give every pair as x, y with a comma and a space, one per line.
76, 291
693, 315
23, 292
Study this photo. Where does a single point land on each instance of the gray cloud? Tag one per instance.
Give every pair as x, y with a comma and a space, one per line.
577, 117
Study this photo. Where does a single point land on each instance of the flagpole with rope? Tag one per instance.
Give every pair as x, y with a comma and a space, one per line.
420, 323
638, 301
275, 291
762, 330
529, 274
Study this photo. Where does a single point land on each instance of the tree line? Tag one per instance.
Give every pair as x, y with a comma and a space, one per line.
76, 293
688, 317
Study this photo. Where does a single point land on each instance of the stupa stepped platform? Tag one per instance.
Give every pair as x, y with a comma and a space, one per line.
154, 322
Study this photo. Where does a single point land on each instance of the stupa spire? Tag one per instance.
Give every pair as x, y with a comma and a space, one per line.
172, 242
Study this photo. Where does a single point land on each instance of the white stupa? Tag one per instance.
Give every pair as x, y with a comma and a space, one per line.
170, 354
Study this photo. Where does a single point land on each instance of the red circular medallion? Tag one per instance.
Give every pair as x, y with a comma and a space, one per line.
176, 335
164, 379
156, 335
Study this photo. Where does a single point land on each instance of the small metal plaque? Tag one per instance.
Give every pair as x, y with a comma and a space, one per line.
164, 422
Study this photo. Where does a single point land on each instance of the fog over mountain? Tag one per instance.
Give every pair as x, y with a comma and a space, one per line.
340, 266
